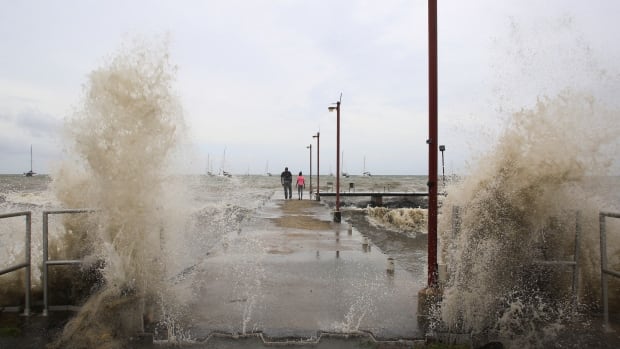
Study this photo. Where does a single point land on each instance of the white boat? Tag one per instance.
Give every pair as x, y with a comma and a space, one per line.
267, 170
364, 172
223, 172
31, 172
209, 172
344, 174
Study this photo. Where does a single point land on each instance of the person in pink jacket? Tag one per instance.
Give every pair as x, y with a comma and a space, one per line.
301, 183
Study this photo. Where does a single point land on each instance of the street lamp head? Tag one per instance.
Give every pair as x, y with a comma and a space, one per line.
442, 147
331, 108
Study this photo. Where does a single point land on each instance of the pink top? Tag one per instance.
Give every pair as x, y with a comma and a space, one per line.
301, 181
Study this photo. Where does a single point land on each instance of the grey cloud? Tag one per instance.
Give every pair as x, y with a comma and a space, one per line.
38, 124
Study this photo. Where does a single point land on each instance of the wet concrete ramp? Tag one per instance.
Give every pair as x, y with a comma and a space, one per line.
293, 273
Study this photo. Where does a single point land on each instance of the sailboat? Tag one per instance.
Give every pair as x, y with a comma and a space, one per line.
344, 174
31, 172
222, 171
267, 170
364, 172
209, 172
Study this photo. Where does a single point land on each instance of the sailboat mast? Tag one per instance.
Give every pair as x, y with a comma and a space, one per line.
222, 171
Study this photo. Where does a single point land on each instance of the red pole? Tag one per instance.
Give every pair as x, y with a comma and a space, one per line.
432, 143
318, 172
337, 216
310, 192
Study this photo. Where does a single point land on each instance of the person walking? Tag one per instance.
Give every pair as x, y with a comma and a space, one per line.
286, 179
301, 183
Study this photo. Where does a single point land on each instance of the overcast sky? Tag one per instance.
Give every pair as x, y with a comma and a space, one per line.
255, 77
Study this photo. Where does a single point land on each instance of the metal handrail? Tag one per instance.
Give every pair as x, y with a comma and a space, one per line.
46, 261
575, 262
604, 270
26, 263
456, 227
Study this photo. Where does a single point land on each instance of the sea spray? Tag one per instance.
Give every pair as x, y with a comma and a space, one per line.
120, 146
533, 180
409, 220
366, 293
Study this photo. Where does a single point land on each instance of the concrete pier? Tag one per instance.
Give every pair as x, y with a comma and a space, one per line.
305, 274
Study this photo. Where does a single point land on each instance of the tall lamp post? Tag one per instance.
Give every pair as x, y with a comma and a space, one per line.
430, 295
432, 144
318, 172
337, 216
310, 147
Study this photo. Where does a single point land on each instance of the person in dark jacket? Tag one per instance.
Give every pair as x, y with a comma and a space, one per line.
286, 179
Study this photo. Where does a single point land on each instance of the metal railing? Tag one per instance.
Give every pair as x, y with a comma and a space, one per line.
46, 261
574, 263
604, 269
456, 227
26, 263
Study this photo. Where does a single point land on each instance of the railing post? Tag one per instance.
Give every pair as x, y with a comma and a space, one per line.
576, 257
604, 270
45, 266
46, 261
28, 259
601, 219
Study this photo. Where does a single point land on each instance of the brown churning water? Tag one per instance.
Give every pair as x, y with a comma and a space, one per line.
120, 144
518, 206
518, 201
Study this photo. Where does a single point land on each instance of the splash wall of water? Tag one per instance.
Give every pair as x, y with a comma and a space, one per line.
122, 142
536, 172
551, 158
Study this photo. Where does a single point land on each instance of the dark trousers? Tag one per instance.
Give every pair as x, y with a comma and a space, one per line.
288, 190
